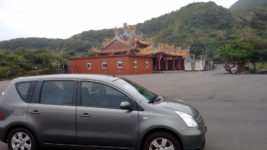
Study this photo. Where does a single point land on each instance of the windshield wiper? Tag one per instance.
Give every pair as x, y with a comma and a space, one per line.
155, 98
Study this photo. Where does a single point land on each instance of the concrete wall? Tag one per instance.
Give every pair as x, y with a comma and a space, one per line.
194, 65
200, 65
187, 66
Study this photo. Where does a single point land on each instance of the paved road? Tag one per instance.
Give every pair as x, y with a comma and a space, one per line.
234, 106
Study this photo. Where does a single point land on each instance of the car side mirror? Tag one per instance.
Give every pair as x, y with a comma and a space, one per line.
125, 105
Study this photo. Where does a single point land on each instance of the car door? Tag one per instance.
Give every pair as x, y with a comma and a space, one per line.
52, 114
100, 121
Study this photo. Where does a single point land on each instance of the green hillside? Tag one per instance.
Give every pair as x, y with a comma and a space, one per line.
250, 23
46, 44
202, 26
245, 4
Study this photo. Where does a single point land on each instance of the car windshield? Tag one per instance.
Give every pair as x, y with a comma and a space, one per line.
134, 87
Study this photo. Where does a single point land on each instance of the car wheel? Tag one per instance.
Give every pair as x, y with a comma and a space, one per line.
161, 141
21, 139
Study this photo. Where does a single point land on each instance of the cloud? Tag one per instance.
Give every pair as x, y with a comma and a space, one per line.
63, 18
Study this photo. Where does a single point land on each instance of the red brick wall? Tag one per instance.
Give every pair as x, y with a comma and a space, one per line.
79, 65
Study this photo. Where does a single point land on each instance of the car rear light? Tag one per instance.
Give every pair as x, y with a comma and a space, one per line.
0, 116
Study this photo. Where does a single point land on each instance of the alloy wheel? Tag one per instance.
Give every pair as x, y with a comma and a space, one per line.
161, 144
21, 141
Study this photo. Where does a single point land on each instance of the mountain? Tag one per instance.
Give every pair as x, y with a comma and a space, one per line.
202, 26
77, 43
95, 37
46, 44
250, 23
245, 4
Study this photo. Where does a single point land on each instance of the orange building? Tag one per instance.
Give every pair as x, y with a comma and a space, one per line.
129, 53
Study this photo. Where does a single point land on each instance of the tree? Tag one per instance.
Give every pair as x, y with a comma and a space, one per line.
28, 62
235, 52
258, 53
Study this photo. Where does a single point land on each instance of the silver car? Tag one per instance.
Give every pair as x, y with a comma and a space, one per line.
95, 111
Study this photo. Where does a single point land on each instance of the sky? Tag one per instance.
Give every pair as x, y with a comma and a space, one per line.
64, 18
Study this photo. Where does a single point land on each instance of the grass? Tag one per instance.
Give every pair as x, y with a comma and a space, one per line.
261, 65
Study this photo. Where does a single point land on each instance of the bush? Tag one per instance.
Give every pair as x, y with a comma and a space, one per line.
29, 62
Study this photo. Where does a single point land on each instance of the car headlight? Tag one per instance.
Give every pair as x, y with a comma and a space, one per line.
188, 119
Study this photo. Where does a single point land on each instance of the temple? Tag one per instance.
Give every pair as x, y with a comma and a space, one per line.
127, 47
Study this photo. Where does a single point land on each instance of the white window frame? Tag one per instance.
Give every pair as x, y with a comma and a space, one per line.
104, 63
147, 64
89, 65
118, 64
135, 63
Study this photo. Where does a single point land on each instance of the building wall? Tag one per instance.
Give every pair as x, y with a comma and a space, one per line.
200, 65
187, 65
194, 65
79, 65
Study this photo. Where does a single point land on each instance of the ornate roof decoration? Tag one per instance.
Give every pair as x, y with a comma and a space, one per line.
167, 50
129, 40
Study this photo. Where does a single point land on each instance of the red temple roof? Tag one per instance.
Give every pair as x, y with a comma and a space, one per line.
116, 45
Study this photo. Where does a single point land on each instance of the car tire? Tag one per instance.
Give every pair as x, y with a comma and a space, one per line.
21, 137
161, 140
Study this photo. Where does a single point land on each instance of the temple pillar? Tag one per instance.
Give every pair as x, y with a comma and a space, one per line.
159, 56
179, 63
159, 65
166, 63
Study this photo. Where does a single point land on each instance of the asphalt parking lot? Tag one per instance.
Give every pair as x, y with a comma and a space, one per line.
234, 106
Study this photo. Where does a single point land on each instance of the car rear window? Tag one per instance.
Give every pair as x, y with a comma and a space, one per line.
25, 90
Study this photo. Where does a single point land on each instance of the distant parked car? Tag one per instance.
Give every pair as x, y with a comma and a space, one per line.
95, 111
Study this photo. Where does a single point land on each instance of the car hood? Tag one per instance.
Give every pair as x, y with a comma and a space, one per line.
178, 105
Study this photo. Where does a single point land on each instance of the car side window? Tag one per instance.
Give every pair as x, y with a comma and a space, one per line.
25, 90
57, 92
100, 95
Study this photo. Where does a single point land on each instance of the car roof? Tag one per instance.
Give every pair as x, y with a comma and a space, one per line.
98, 77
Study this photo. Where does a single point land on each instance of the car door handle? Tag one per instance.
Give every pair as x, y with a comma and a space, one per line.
35, 112
85, 115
